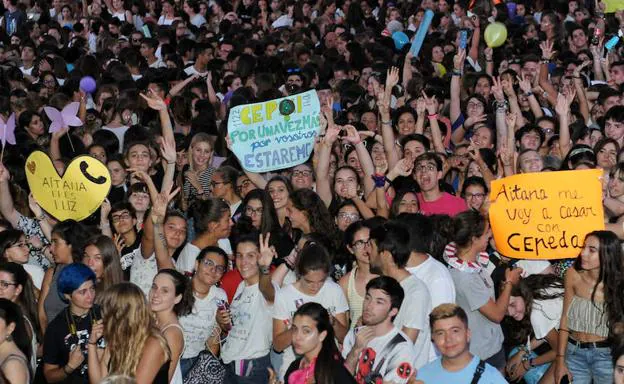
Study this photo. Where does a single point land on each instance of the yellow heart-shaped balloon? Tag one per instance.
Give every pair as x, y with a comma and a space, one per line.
82, 189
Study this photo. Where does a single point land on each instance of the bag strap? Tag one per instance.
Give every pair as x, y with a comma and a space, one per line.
478, 372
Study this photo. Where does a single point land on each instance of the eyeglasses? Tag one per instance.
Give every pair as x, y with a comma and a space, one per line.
348, 216
242, 185
123, 216
302, 173
474, 105
211, 264
6, 284
425, 168
359, 244
475, 195
249, 211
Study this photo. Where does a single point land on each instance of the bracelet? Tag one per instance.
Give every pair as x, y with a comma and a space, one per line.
171, 163
264, 269
41, 217
457, 73
65, 370
545, 60
558, 355
90, 343
489, 60
388, 122
433, 116
576, 77
380, 180
564, 330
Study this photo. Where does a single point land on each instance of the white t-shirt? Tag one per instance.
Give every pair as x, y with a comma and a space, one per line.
198, 20
158, 64
36, 274
438, 280
252, 326
198, 325
391, 356
143, 270
190, 70
289, 298
414, 313
546, 314
186, 260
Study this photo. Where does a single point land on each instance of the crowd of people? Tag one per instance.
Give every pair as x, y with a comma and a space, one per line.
371, 262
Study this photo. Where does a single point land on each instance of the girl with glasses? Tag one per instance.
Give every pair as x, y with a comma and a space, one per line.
200, 327
14, 248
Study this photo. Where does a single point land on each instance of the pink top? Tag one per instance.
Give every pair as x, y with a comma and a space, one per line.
447, 204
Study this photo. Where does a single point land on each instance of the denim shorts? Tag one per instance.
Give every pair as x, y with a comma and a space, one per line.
589, 364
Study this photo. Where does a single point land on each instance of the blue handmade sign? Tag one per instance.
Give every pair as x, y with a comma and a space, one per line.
275, 134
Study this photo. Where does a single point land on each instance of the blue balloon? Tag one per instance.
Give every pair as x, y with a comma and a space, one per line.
400, 39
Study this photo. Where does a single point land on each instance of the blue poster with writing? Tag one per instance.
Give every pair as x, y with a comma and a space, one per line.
275, 134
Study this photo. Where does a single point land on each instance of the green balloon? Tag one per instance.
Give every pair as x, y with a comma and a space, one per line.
495, 35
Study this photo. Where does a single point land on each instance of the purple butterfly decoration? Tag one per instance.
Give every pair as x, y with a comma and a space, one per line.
8, 130
65, 118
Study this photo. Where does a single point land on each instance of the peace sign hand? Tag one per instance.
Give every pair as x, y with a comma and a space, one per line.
429, 104
267, 252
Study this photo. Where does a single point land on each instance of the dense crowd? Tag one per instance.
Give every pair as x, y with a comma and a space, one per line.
371, 262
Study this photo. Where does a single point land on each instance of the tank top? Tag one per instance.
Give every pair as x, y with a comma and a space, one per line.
587, 317
356, 302
177, 374
33, 344
162, 377
22, 359
53, 305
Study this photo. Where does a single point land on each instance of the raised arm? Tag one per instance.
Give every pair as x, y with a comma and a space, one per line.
457, 136
499, 96
436, 134
544, 81
176, 89
387, 133
525, 86
364, 157
580, 91
267, 254
323, 184
6, 200
562, 107
158, 214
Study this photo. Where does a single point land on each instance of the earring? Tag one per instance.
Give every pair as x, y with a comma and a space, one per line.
9, 338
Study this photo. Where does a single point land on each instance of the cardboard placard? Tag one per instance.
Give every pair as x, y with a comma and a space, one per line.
275, 134
77, 194
546, 215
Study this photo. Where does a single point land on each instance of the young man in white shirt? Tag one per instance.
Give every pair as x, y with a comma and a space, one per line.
433, 273
451, 335
379, 350
389, 255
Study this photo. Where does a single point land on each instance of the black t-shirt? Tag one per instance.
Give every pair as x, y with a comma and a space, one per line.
59, 341
341, 374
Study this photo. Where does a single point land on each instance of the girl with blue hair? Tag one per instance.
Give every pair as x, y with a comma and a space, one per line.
65, 343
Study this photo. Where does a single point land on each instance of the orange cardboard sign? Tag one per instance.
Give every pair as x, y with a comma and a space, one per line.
546, 215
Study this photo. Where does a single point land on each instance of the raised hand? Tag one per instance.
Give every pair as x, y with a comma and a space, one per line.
429, 103
510, 119
497, 90
404, 167
154, 101
352, 136
267, 252
524, 83
392, 79
168, 150
547, 49
471, 121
